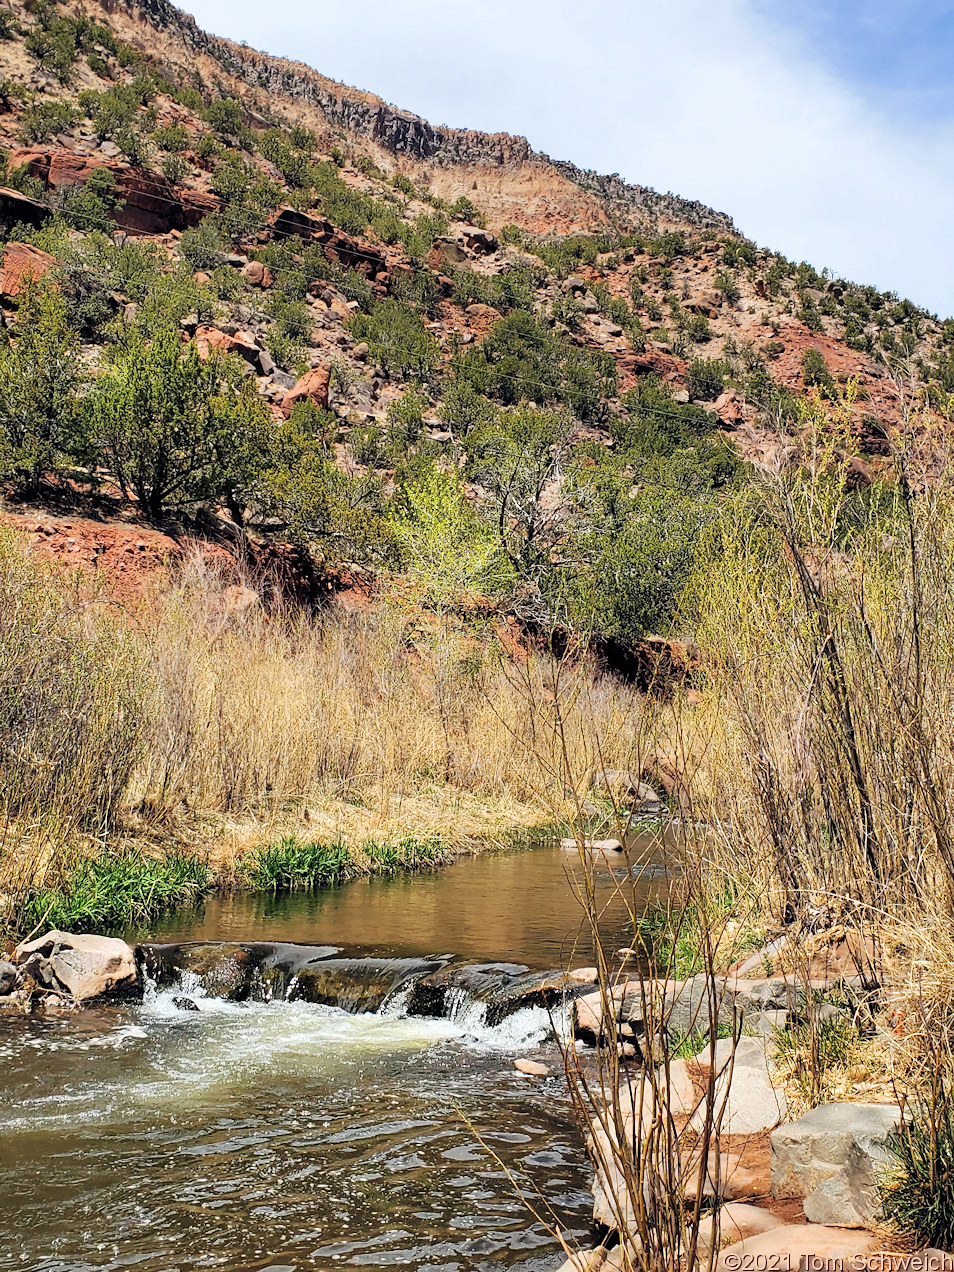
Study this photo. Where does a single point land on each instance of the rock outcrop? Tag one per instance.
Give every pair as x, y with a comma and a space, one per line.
23, 263
79, 967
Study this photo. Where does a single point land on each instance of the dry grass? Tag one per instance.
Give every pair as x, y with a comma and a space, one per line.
212, 723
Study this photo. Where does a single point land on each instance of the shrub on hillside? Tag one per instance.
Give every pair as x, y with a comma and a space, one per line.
40, 376
178, 429
706, 378
398, 340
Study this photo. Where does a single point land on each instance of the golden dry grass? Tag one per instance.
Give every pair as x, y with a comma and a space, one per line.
239, 726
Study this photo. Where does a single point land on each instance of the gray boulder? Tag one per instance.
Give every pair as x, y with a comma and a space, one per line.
80, 966
9, 977
831, 1157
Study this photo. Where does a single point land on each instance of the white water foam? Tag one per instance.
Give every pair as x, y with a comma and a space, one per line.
311, 1024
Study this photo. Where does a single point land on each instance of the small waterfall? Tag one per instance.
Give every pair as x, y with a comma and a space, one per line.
499, 1003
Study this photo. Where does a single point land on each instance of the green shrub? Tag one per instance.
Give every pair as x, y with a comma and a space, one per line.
404, 184
464, 209
668, 245
43, 120
178, 429
706, 378
173, 138
815, 372
226, 116
727, 283
40, 377
89, 205
397, 339
55, 46
204, 246
174, 167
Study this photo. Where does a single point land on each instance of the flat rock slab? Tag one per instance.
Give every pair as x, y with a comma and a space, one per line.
832, 1157
744, 1092
791, 1245
737, 1221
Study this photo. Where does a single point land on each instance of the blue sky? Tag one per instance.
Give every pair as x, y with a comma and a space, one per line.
826, 130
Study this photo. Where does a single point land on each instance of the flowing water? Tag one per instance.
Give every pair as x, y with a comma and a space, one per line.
333, 1086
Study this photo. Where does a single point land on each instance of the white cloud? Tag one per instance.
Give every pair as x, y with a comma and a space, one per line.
710, 101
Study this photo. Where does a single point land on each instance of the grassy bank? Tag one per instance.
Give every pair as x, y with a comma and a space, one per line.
204, 725
121, 889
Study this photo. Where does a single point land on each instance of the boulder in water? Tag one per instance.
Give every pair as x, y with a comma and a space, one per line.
9, 977
82, 967
531, 1068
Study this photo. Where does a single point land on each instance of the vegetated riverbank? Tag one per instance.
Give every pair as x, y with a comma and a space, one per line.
213, 729
820, 761
119, 889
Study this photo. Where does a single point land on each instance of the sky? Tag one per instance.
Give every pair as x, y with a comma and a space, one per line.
825, 128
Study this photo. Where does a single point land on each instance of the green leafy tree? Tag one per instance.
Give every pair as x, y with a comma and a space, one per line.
637, 575
178, 429
443, 544
40, 378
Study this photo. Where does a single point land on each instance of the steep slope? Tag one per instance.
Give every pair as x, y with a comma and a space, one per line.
510, 181
408, 304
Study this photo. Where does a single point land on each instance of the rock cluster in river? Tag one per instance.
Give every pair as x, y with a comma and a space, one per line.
64, 969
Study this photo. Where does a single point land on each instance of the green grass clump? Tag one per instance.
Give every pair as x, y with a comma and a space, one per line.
409, 853
917, 1189
294, 866
117, 890
674, 938
809, 1059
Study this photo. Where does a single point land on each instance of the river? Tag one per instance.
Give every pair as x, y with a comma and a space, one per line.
265, 1133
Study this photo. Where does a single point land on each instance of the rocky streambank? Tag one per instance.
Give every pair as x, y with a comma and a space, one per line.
763, 1182
759, 1176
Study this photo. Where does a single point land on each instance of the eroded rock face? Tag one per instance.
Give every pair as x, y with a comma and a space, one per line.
21, 265
831, 1157
82, 967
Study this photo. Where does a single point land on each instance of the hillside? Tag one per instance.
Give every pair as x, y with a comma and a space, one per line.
381, 306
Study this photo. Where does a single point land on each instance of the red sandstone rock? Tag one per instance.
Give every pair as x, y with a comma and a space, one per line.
729, 408
21, 262
209, 340
313, 384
